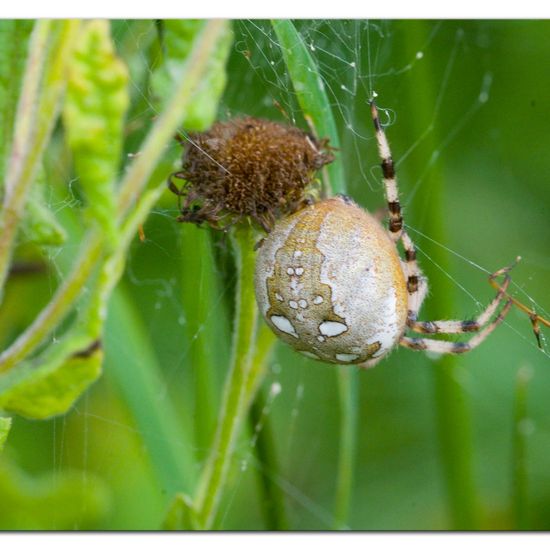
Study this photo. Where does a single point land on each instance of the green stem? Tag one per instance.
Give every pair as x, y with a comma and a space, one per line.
235, 401
134, 182
272, 498
265, 342
207, 321
72, 286
519, 460
37, 111
273, 504
348, 388
455, 439
57, 308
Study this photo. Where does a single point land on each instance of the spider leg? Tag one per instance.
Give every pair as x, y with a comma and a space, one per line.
388, 172
440, 346
172, 186
417, 285
471, 325
534, 317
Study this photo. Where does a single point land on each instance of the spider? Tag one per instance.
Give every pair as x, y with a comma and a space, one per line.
330, 282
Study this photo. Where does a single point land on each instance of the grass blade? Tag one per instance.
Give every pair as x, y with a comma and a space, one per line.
519, 445
311, 93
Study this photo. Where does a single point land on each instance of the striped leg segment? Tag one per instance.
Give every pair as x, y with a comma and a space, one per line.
388, 172
440, 346
417, 286
460, 327
481, 325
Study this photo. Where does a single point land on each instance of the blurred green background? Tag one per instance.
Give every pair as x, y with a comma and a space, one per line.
467, 107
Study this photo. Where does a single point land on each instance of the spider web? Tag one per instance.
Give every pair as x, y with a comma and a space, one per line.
494, 212
357, 58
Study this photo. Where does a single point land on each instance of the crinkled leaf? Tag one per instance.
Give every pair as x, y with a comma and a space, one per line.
40, 225
5, 425
177, 40
62, 500
49, 384
93, 115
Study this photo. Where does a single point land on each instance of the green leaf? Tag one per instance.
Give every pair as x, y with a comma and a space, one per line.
39, 101
39, 224
50, 384
61, 500
93, 115
137, 373
311, 93
5, 425
177, 38
180, 516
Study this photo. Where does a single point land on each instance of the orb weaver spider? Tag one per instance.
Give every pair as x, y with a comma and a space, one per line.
331, 283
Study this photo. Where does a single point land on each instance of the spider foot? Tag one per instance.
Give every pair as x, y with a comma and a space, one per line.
534, 317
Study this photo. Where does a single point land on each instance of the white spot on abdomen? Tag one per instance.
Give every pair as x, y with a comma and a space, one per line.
332, 328
283, 324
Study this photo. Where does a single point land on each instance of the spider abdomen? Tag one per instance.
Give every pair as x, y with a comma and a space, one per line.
329, 282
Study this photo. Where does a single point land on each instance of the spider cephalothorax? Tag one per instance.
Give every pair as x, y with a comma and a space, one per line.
247, 167
330, 282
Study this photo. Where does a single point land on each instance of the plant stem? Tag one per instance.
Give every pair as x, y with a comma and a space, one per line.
265, 340
57, 308
37, 111
207, 321
135, 181
273, 504
455, 439
235, 401
347, 385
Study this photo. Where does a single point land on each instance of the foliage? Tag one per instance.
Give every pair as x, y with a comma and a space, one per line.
115, 413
